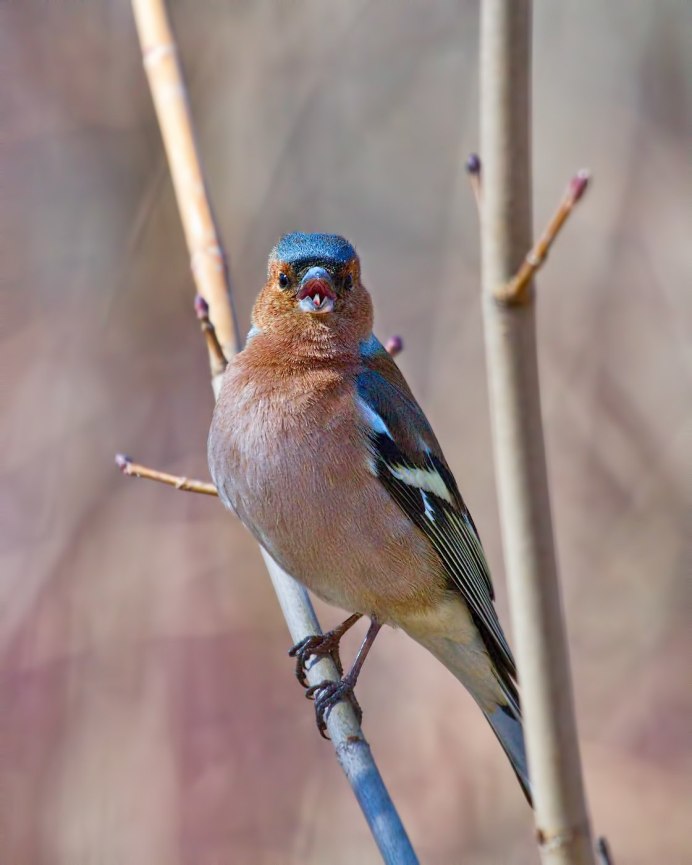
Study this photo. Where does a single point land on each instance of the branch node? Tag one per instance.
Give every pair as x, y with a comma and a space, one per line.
216, 355
563, 839
579, 184
123, 462
155, 53
395, 345
474, 169
201, 307
473, 164
203, 253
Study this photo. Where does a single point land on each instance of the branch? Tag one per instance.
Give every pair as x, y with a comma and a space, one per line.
474, 170
170, 99
510, 337
135, 470
129, 467
207, 258
217, 358
515, 291
603, 852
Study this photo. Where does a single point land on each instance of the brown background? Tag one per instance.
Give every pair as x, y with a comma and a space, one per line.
148, 714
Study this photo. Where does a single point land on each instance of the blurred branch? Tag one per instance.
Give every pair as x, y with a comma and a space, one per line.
510, 336
135, 470
169, 93
474, 170
515, 291
603, 852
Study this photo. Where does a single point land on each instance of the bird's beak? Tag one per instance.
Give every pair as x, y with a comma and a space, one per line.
316, 292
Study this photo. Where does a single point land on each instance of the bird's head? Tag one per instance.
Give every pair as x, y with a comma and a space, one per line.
313, 291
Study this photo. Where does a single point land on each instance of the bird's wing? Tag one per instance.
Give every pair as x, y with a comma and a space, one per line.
408, 461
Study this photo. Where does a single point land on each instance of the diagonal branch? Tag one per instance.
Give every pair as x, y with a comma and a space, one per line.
207, 258
516, 290
208, 266
217, 359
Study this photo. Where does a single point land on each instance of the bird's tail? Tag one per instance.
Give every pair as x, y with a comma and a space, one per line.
506, 723
504, 714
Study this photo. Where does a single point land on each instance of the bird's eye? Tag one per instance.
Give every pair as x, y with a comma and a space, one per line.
283, 280
348, 282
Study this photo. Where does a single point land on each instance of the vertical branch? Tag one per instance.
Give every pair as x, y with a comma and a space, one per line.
510, 336
218, 320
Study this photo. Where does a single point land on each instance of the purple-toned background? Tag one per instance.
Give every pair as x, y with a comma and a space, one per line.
148, 714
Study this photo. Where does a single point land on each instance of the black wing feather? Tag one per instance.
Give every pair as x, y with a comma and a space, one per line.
447, 524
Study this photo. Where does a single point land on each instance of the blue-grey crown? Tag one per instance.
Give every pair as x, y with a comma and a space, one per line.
303, 250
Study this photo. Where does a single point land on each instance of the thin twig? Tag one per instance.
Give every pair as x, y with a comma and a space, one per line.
133, 469
603, 852
136, 470
217, 359
515, 291
474, 170
561, 814
169, 94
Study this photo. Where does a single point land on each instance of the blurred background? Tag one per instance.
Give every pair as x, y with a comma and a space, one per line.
149, 712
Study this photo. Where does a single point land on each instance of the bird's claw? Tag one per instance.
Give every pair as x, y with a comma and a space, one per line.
317, 646
326, 695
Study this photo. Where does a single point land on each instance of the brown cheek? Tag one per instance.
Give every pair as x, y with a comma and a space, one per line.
284, 304
281, 303
268, 306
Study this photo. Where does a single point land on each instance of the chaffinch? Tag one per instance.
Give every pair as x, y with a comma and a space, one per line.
320, 448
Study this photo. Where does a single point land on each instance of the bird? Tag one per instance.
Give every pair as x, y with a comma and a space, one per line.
318, 445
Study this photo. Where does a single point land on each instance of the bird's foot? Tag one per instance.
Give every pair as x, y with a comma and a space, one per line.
327, 694
315, 646
320, 646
